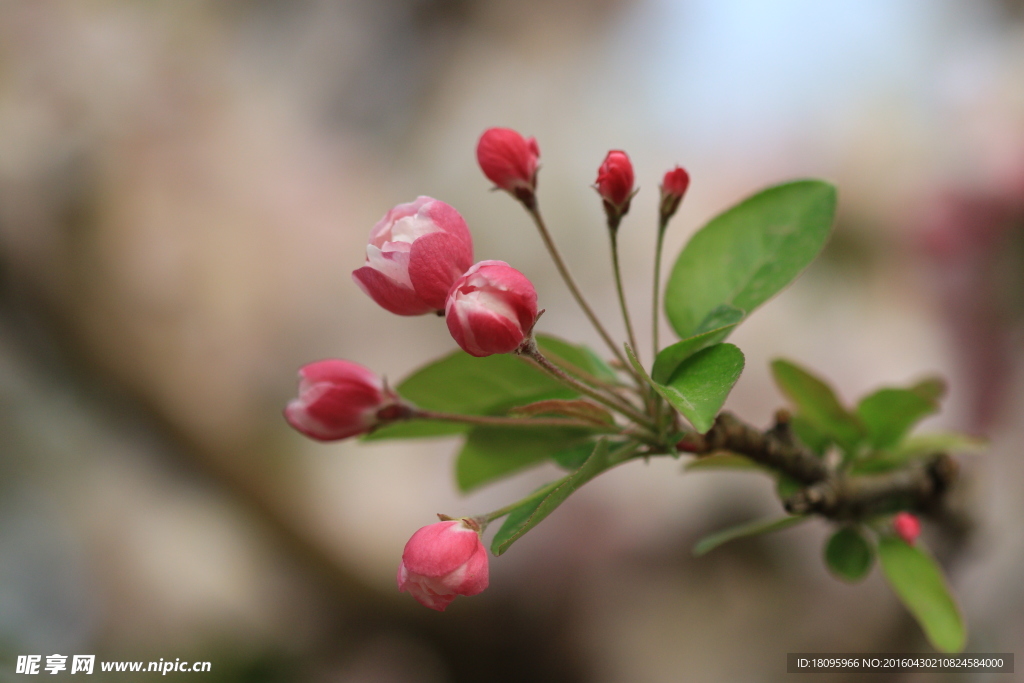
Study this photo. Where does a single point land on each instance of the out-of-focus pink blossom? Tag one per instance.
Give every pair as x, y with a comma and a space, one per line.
907, 527
443, 560
414, 255
491, 309
339, 399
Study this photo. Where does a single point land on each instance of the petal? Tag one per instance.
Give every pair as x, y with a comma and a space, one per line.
381, 232
338, 370
435, 263
439, 549
450, 221
391, 261
388, 294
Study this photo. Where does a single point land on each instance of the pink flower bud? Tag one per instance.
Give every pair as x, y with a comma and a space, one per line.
615, 184
509, 161
907, 527
673, 187
338, 399
415, 254
491, 309
441, 561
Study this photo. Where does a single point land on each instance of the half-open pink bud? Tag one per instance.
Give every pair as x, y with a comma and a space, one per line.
338, 399
441, 561
615, 184
491, 309
509, 161
673, 187
414, 255
907, 527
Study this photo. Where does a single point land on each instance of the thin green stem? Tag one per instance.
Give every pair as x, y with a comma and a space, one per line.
614, 234
498, 421
662, 224
563, 270
529, 349
655, 311
581, 374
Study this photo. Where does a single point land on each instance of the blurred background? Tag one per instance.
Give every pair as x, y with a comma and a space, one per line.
185, 187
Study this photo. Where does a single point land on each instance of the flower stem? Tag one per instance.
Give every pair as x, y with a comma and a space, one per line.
662, 224
591, 379
614, 234
534, 212
655, 312
530, 350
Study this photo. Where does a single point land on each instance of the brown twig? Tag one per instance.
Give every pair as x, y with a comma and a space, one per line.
920, 486
774, 449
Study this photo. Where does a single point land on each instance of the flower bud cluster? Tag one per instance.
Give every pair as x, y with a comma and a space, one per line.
419, 260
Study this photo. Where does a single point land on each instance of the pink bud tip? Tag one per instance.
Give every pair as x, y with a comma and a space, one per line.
491, 309
441, 561
337, 399
907, 527
615, 183
509, 161
414, 255
673, 187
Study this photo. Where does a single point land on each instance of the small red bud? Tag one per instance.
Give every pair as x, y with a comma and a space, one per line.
907, 527
509, 161
673, 187
339, 399
615, 185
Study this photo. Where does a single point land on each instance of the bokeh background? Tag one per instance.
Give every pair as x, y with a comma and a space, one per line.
186, 185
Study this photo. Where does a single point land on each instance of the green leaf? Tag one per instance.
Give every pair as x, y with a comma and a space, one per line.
578, 355
542, 503
818, 404
932, 388
918, 581
755, 528
493, 452
725, 315
572, 458
723, 461
598, 367
809, 435
917, 446
849, 555
460, 383
670, 357
888, 414
940, 442
747, 254
580, 409
700, 384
